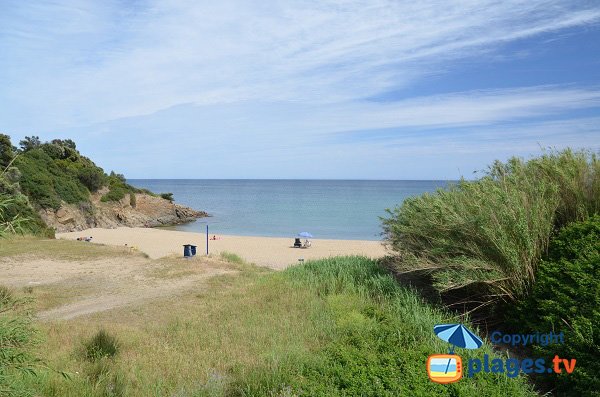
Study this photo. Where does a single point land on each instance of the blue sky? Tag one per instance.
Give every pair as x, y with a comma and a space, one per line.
302, 89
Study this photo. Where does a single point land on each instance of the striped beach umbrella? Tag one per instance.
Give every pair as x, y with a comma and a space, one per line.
458, 335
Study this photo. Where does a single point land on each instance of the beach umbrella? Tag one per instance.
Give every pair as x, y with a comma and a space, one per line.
305, 234
458, 335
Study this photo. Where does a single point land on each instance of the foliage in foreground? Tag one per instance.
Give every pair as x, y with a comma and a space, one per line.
566, 297
491, 233
335, 327
379, 339
17, 339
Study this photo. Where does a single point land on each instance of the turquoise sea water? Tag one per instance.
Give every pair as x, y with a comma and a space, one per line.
333, 209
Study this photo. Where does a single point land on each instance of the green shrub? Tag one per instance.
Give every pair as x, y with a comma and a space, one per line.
47, 183
167, 196
6, 151
91, 177
115, 194
118, 188
566, 298
101, 345
490, 234
17, 339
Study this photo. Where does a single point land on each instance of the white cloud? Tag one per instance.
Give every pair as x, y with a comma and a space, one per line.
79, 62
258, 86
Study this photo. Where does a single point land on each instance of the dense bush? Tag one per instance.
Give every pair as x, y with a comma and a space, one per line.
566, 297
47, 183
118, 188
46, 174
114, 194
17, 339
167, 196
55, 172
6, 151
491, 233
92, 178
102, 344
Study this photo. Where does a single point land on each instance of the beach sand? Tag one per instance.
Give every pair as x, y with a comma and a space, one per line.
274, 252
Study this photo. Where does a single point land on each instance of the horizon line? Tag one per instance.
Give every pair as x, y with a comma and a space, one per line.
292, 179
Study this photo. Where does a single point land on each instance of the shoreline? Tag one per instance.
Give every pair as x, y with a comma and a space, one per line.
273, 252
173, 228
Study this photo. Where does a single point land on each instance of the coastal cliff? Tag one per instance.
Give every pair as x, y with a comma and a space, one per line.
144, 210
57, 189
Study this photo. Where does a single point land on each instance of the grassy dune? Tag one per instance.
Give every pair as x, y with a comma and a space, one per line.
335, 327
490, 234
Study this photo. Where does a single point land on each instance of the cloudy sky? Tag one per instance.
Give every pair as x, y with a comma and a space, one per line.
302, 89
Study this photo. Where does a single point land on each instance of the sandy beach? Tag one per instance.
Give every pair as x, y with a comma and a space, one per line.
274, 252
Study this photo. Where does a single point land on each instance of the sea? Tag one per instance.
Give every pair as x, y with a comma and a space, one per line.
329, 209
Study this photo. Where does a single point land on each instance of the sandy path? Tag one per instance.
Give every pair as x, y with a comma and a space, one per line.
274, 252
91, 286
135, 294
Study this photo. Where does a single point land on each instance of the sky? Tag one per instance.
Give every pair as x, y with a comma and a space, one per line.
375, 89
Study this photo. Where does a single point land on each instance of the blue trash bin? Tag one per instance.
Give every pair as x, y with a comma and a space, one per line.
187, 250
193, 249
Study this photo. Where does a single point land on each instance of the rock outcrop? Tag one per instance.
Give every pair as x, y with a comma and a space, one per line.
143, 211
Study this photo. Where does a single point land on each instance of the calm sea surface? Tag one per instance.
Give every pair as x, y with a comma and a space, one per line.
333, 209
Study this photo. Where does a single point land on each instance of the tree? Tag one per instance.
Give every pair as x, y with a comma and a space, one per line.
65, 142
30, 142
92, 177
6, 151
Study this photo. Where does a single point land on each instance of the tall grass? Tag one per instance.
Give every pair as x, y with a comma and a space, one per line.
17, 338
376, 337
335, 327
489, 234
10, 224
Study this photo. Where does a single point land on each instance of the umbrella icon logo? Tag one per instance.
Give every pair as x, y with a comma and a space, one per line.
458, 336
447, 368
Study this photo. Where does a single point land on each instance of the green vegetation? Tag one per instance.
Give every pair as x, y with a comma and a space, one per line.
167, 196
118, 188
566, 297
9, 224
334, 327
46, 181
232, 258
101, 345
43, 175
489, 235
17, 339
376, 338
63, 250
16, 213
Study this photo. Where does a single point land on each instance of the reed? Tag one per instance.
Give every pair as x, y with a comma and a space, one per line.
490, 234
